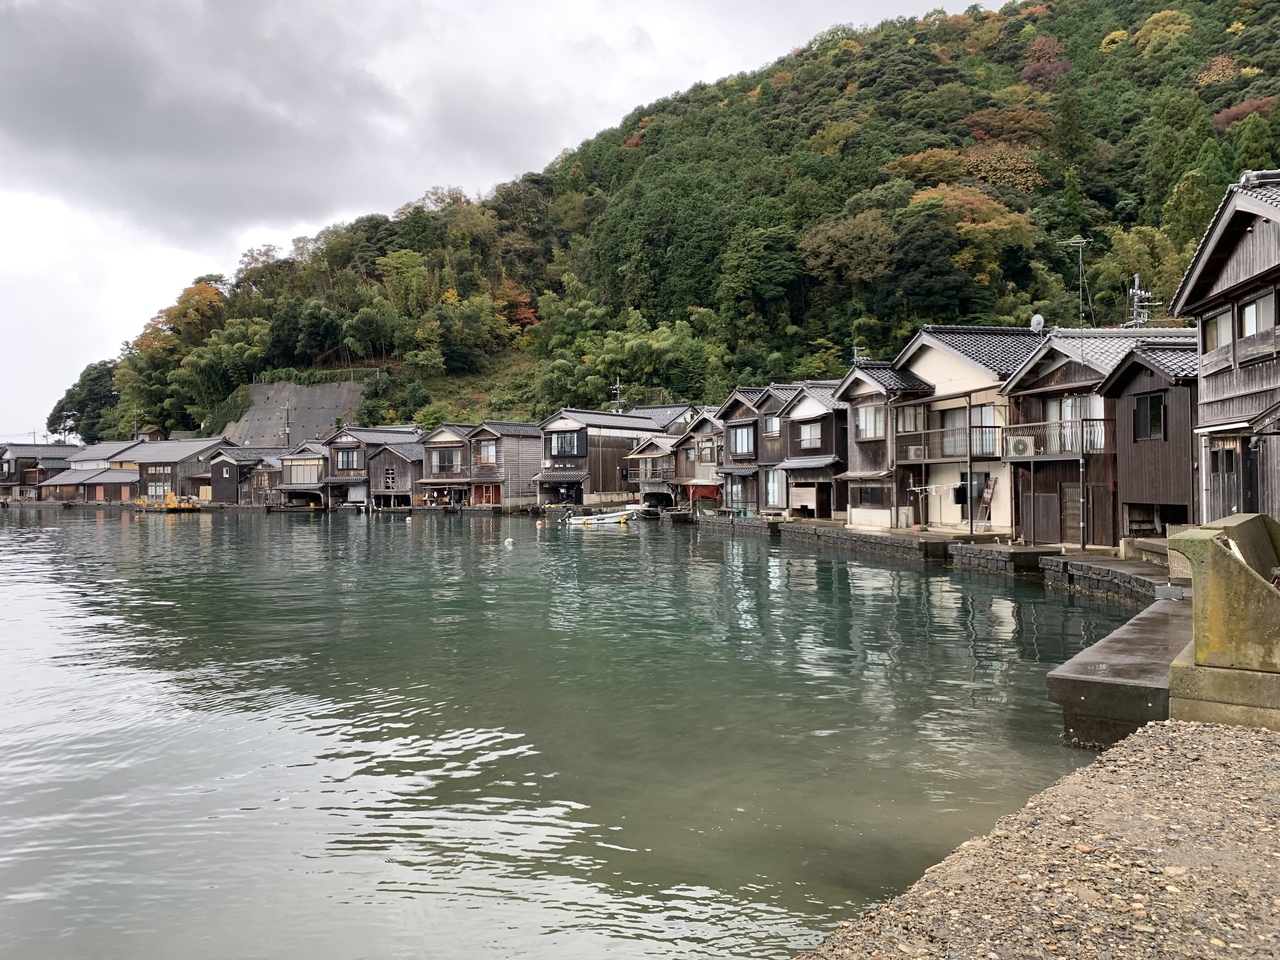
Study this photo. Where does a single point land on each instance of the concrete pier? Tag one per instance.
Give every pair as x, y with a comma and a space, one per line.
1112, 688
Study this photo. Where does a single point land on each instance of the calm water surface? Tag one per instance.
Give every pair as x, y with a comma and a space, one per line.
343, 737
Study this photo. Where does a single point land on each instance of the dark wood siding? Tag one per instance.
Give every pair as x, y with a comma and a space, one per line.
1157, 471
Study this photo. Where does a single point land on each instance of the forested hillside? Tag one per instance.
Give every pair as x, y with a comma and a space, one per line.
760, 227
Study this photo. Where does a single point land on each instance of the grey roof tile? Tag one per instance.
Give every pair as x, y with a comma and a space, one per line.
882, 372
1002, 350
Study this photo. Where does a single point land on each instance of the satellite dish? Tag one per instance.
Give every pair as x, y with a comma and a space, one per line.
1037, 323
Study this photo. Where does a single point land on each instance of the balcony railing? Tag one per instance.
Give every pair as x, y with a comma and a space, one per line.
1059, 439
447, 470
949, 443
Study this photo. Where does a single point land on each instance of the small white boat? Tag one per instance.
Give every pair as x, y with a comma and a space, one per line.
617, 516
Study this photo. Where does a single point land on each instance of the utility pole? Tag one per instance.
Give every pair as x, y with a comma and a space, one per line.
617, 395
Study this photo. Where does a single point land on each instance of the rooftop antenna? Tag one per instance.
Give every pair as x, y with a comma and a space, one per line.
1140, 304
1037, 323
1079, 243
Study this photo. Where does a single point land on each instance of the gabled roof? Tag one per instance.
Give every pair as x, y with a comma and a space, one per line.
308, 448
1099, 350
391, 433
998, 350
244, 455
175, 451
883, 375
413, 452
658, 445
37, 451
821, 391
109, 450
1175, 361
1256, 195
664, 415
506, 428
599, 418
749, 396
458, 431
693, 424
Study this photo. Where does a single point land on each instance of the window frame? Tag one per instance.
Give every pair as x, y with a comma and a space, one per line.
736, 436
809, 435
348, 458
560, 447
1143, 413
875, 412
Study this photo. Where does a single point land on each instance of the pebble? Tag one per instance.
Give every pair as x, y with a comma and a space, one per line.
1194, 803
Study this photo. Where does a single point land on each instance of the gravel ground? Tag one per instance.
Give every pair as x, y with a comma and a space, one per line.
1165, 846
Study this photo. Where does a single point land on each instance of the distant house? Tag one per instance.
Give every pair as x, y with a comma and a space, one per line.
348, 462
98, 473
1230, 290
395, 474
879, 495
179, 467
698, 454
948, 444
1060, 436
739, 417
1154, 389
246, 476
584, 455
814, 429
446, 475
673, 418
652, 468
505, 458
24, 466
302, 472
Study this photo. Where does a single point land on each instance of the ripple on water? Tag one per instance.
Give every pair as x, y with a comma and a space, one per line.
339, 736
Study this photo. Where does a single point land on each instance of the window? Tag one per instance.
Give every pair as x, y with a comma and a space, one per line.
690, 454
810, 435
870, 496
487, 453
742, 441
307, 471
1217, 331
565, 444
871, 423
226, 472
910, 419
155, 489
772, 426
706, 453
1148, 417
443, 461
349, 460
389, 478
1258, 316
773, 488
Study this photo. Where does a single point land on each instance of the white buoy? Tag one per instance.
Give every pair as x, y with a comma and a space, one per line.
538, 524
509, 542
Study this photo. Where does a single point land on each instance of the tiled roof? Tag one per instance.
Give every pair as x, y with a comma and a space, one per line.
413, 452
882, 372
600, 418
808, 463
36, 451
561, 476
1001, 350
504, 428
395, 433
1178, 362
75, 478
103, 451
174, 451
244, 455
663, 415
662, 442
1100, 350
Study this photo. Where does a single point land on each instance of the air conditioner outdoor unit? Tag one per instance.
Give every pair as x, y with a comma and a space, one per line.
1020, 446
546, 464
915, 453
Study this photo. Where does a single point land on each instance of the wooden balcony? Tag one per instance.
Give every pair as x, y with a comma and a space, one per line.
1059, 440
950, 443
448, 471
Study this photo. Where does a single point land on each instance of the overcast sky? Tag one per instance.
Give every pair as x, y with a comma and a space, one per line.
146, 142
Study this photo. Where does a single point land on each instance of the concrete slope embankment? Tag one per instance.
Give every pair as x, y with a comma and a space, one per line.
1165, 846
311, 411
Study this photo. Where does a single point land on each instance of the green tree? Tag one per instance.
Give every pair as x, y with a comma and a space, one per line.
1254, 147
87, 405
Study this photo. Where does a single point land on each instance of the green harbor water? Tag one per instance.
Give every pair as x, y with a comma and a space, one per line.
235, 735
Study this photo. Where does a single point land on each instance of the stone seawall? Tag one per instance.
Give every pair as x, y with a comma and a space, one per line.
1009, 561
916, 549
1126, 581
